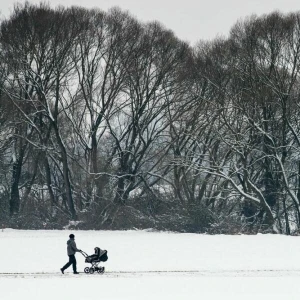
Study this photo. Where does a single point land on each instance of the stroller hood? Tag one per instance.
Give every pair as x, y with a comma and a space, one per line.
100, 255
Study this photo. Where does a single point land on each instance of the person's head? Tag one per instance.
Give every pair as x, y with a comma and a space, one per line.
72, 236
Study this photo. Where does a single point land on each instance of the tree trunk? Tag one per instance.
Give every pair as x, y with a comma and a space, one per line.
16, 175
14, 194
49, 181
287, 224
95, 169
119, 197
31, 182
67, 182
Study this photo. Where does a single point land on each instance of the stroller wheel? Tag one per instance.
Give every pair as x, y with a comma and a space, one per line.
86, 270
92, 270
101, 270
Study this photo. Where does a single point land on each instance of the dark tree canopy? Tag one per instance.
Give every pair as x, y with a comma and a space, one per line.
112, 123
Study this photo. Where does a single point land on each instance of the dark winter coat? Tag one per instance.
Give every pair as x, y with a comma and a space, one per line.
72, 249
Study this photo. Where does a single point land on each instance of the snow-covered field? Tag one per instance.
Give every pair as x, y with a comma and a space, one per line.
150, 265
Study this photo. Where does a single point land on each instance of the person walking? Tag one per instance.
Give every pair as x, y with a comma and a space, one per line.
72, 249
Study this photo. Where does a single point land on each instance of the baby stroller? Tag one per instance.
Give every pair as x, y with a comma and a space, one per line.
94, 260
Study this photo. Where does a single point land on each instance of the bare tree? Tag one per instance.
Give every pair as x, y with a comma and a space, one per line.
139, 125
36, 42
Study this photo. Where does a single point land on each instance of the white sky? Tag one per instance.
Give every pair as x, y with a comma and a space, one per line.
191, 20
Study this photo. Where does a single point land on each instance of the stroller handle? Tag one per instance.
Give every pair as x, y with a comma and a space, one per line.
83, 253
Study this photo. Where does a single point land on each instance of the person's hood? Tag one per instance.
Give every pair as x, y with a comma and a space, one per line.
70, 241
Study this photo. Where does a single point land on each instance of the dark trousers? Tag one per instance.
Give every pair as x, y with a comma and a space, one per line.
72, 261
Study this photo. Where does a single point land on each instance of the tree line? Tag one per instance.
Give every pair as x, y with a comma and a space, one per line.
107, 122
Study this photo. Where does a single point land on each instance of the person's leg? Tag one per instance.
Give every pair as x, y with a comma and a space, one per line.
67, 265
74, 262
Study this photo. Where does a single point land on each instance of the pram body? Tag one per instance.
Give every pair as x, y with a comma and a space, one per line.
95, 259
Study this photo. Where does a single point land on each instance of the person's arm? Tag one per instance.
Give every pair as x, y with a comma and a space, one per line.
73, 245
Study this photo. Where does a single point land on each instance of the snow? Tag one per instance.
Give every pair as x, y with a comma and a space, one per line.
150, 265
